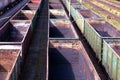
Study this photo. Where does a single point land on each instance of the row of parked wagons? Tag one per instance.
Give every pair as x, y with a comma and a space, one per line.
15, 36
102, 36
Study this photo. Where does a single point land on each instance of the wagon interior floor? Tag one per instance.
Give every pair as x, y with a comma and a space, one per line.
62, 28
67, 62
7, 59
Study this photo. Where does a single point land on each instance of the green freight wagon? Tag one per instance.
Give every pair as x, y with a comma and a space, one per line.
78, 18
80, 13
111, 57
96, 31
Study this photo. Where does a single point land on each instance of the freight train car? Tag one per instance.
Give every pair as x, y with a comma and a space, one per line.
102, 36
10, 62
14, 38
111, 57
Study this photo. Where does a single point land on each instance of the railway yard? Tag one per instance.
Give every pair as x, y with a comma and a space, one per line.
107, 9
60, 40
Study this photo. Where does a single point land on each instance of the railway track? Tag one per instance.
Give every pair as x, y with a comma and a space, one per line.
109, 5
116, 3
109, 15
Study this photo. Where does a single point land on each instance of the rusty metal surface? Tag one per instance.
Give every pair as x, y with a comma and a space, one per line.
117, 49
74, 1
55, 6
62, 28
8, 60
24, 15
115, 45
36, 1
106, 29
3, 75
69, 61
86, 13
54, 1
89, 14
57, 13
15, 31
31, 6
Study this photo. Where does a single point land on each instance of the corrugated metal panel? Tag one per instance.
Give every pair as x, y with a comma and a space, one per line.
73, 12
93, 39
111, 59
78, 19
114, 66
118, 70
67, 4
104, 58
